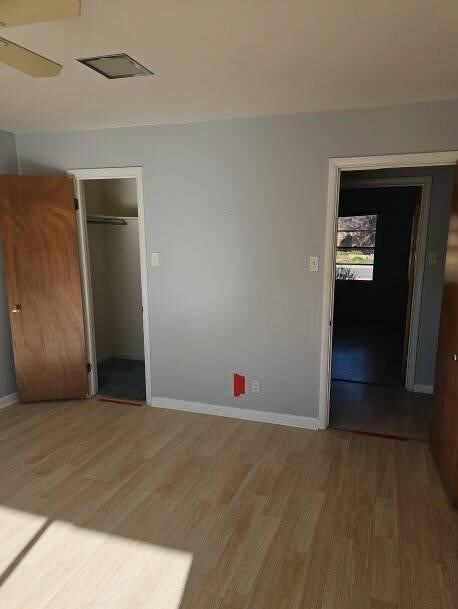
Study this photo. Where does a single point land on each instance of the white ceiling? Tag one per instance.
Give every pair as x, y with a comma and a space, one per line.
231, 58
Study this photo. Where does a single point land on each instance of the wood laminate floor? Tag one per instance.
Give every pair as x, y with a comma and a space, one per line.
117, 507
380, 409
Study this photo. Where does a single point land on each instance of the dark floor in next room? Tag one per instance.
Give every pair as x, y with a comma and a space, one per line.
367, 389
390, 411
367, 352
122, 378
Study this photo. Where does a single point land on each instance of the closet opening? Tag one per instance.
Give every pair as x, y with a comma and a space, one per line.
113, 269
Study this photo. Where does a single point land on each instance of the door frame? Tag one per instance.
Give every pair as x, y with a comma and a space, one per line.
336, 167
425, 185
110, 173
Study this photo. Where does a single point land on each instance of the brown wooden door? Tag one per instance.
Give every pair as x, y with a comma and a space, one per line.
39, 240
444, 429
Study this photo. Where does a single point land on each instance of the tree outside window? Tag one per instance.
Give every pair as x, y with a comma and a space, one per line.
356, 247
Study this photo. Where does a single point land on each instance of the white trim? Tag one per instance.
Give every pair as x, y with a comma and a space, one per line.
425, 183
86, 287
328, 294
289, 420
8, 400
108, 173
424, 389
336, 166
395, 161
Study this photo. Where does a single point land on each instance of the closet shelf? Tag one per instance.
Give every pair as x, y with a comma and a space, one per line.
92, 219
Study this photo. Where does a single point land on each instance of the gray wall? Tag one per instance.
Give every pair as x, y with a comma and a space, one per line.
235, 208
439, 214
8, 164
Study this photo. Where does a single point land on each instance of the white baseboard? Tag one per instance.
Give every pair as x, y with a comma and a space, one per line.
8, 400
423, 389
290, 420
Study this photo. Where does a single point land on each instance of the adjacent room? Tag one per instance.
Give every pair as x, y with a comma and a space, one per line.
391, 242
228, 304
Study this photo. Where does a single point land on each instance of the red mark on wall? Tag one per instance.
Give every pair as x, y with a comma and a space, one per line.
239, 385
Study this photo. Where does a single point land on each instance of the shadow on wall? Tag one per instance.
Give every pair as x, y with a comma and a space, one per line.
35, 168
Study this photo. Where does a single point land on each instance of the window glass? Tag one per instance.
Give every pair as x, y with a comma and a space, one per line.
356, 247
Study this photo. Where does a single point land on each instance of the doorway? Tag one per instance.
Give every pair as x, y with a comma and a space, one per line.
376, 251
113, 265
400, 379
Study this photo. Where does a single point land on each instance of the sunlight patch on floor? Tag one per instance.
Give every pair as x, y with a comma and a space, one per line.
78, 568
16, 530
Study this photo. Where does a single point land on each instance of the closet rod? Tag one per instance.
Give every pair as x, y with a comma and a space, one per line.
106, 220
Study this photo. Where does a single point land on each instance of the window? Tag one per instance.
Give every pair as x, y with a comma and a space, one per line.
355, 248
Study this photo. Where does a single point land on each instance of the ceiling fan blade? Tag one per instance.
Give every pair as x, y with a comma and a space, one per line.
21, 12
27, 61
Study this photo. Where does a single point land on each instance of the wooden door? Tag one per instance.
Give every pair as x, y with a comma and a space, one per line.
444, 429
39, 241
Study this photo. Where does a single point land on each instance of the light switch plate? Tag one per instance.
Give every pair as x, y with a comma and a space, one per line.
155, 259
314, 263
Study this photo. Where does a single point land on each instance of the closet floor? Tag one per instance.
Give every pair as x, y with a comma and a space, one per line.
122, 378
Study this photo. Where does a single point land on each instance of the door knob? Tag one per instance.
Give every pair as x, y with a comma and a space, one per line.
16, 308
455, 357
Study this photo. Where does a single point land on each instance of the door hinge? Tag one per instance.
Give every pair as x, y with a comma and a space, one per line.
89, 367
77, 203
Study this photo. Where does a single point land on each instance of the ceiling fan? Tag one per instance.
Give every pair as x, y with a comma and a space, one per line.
23, 12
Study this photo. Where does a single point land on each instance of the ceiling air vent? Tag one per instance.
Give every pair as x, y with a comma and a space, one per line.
116, 66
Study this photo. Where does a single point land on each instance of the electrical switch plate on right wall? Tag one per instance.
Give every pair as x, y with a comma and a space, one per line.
313, 263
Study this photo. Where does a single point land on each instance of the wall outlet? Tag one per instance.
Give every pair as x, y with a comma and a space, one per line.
155, 259
314, 263
255, 386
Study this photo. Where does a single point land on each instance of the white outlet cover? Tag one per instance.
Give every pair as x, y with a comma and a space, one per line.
255, 386
155, 259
